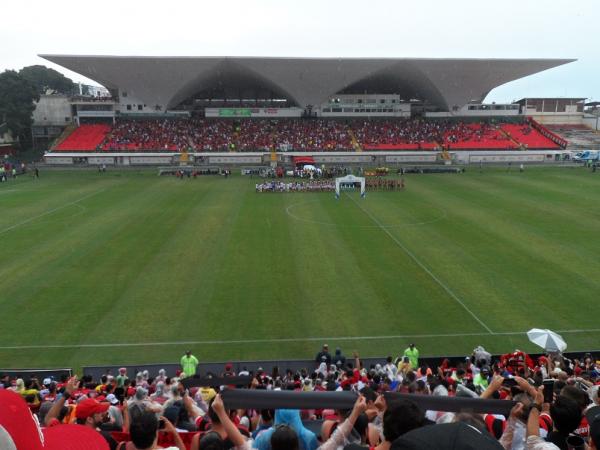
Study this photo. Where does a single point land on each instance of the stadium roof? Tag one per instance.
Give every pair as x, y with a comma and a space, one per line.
167, 81
578, 99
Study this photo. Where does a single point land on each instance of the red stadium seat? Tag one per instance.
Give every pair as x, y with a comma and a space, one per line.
85, 138
529, 136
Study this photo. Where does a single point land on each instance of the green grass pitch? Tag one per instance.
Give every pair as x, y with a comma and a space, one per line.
452, 262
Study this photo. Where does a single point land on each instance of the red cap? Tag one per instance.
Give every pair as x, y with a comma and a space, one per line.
24, 433
90, 406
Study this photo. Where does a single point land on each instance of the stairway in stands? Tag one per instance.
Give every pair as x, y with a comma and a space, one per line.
355, 144
509, 137
64, 135
445, 155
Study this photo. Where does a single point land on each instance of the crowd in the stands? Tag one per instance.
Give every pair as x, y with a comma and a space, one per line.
146, 411
480, 132
315, 134
224, 135
409, 131
168, 134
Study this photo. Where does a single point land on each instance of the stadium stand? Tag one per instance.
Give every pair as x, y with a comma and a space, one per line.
477, 136
168, 135
302, 135
222, 135
397, 134
87, 137
580, 137
529, 136
124, 408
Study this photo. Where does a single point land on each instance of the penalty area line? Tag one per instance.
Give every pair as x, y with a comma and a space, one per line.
422, 266
283, 340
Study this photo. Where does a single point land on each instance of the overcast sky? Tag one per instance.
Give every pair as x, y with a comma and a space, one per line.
326, 28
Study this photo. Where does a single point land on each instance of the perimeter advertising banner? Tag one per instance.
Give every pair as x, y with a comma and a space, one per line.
235, 112
252, 112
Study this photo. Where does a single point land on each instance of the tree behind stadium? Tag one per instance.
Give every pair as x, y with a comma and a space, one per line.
45, 79
17, 97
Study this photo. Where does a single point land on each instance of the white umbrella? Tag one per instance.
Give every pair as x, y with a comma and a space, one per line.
547, 339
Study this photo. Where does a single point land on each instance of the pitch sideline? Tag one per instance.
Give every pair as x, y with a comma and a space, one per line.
282, 340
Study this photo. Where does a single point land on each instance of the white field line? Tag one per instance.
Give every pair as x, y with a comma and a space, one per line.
26, 221
289, 212
422, 266
283, 340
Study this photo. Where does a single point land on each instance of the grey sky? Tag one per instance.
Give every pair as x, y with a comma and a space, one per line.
344, 28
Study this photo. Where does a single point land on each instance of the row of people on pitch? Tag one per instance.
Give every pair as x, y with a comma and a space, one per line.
302, 186
384, 184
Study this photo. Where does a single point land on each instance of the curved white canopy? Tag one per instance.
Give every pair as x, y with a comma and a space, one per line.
167, 81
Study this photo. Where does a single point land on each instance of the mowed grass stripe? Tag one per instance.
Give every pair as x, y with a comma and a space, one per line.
321, 254
424, 268
88, 264
253, 281
435, 244
395, 297
496, 248
157, 301
34, 247
561, 226
551, 236
27, 205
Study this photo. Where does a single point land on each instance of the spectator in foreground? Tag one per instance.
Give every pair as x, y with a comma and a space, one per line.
289, 419
448, 436
413, 355
324, 356
19, 430
534, 441
339, 359
566, 417
122, 377
399, 418
289, 436
92, 414
144, 433
189, 363
593, 417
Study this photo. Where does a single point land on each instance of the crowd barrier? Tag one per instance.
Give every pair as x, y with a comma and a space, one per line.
267, 366
40, 374
263, 399
547, 133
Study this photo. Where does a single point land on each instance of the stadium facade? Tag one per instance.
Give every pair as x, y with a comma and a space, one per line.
154, 84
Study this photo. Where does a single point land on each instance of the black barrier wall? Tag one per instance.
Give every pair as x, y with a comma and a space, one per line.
217, 368
40, 374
